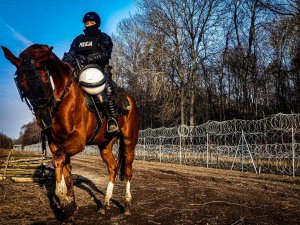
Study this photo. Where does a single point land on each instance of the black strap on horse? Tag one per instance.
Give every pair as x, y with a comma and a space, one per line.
100, 121
54, 110
65, 91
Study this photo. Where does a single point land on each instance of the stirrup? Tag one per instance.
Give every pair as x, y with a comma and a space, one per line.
112, 125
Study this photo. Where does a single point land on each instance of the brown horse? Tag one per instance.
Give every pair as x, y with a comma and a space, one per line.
59, 105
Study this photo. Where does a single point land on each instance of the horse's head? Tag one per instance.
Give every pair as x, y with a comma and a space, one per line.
33, 79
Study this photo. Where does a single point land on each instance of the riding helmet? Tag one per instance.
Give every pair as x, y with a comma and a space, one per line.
92, 16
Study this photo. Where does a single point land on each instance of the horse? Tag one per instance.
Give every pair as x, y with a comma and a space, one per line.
50, 89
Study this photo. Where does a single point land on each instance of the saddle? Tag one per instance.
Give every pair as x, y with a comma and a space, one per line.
119, 98
99, 110
103, 96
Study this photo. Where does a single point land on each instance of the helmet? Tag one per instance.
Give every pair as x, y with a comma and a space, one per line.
92, 16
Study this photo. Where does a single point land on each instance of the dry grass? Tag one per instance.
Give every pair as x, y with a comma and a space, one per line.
162, 194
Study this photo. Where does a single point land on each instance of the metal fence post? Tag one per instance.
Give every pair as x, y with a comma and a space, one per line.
293, 149
242, 151
144, 148
207, 146
180, 148
160, 149
183, 132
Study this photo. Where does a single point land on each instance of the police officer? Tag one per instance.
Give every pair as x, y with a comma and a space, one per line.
95, 47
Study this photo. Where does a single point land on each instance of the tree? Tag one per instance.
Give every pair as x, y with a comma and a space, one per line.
190, 61
29, 134
5, 141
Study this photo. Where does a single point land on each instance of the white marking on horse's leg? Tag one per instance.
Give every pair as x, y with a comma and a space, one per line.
61, 188
128, 196
61, 191
109, 193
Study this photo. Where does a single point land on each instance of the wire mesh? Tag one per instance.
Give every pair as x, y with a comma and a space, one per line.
269, 145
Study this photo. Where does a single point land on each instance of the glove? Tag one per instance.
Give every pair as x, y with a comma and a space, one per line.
67, 58
82, 59
94, 58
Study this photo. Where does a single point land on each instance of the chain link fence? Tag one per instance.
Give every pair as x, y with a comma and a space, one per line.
269, 145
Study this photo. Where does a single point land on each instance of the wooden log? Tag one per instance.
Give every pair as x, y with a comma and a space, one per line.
21, 169
22, 173
27, 179
7, 161
38, 159
25, 166
23, 179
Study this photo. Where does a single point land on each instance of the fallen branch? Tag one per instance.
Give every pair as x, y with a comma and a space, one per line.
23, 165
28, 159
7, 161
39, 179
27, 179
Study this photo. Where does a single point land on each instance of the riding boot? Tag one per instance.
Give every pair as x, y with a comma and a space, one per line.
100, 100
112, 122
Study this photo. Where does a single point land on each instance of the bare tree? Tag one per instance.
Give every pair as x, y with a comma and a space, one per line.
189, 61
30, 134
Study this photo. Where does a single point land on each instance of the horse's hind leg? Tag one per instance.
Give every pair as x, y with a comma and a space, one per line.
109, 159
127, 170
127, 145
64, 184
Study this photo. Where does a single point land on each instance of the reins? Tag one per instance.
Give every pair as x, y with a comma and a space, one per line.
55, 107
65, 91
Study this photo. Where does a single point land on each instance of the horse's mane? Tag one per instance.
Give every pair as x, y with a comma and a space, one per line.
37, 46
34, 50
37, 49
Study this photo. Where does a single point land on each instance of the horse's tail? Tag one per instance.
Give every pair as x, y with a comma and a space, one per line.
121, 157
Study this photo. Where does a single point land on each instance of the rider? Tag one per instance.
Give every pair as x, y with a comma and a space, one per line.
95, 47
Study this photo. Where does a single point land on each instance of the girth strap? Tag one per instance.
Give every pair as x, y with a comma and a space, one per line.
99, 120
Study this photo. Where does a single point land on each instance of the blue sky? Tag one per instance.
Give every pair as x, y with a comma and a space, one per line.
52, 22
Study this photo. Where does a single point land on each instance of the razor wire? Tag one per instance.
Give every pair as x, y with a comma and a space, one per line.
269, 145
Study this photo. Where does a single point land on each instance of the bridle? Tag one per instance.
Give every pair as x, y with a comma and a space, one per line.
39, 94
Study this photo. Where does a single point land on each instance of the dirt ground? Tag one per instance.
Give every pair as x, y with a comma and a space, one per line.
162, 194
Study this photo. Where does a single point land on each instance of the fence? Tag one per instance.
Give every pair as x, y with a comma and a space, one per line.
269, 145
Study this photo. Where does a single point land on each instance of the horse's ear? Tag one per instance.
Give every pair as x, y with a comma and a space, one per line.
11, 57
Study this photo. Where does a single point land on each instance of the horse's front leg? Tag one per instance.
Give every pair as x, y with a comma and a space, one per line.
128, 198
64, 183
109, 159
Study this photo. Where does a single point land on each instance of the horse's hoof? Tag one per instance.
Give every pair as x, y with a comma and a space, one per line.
68, 221
103, 209
127, 212
127, 209
68, 208
55, 202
